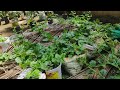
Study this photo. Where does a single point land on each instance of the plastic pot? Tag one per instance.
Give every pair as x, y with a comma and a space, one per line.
51, 74
50, 21
6, 20
24, 73
54, 73
18, 29
31, 24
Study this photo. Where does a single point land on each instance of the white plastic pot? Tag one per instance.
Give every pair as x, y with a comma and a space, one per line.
54, 73
24, 73
51, 74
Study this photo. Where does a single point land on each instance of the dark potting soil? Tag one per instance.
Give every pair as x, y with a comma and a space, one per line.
50, 21
10, 18
18, 29
32, 24
40, 20
7, 21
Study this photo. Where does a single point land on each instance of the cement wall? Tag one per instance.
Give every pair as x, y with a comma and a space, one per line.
105, 16
106, 13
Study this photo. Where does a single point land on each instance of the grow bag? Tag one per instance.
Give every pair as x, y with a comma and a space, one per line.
4, 45
72, 66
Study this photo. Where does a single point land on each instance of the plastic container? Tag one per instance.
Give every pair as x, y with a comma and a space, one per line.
54, 73
51, 74
24, 73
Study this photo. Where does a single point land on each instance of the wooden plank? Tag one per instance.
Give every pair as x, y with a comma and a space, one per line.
11, 73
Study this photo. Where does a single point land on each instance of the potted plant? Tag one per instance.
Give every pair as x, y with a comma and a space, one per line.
30, 17
38, 57
13, 14
15, 25
31, 74
4, 16
42, 16
4, 43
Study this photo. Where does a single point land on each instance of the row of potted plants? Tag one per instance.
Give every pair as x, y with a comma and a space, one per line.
70, 43
9, 15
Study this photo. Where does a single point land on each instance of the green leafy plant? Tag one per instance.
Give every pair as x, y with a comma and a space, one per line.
69, 44
2, 39
34, 74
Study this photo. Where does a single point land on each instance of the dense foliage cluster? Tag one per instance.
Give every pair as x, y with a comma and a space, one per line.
103, 37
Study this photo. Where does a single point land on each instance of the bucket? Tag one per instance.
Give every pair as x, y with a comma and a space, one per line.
54, 73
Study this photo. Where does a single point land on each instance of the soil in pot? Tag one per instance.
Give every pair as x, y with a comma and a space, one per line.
50, 21
10, 18
32, 24
18, 29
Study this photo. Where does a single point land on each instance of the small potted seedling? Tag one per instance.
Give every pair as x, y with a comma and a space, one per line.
15, 25
31, 74
30, 22
38, 57
13, 14
4, 15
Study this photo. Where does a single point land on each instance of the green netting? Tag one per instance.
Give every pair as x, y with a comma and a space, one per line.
116, 34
